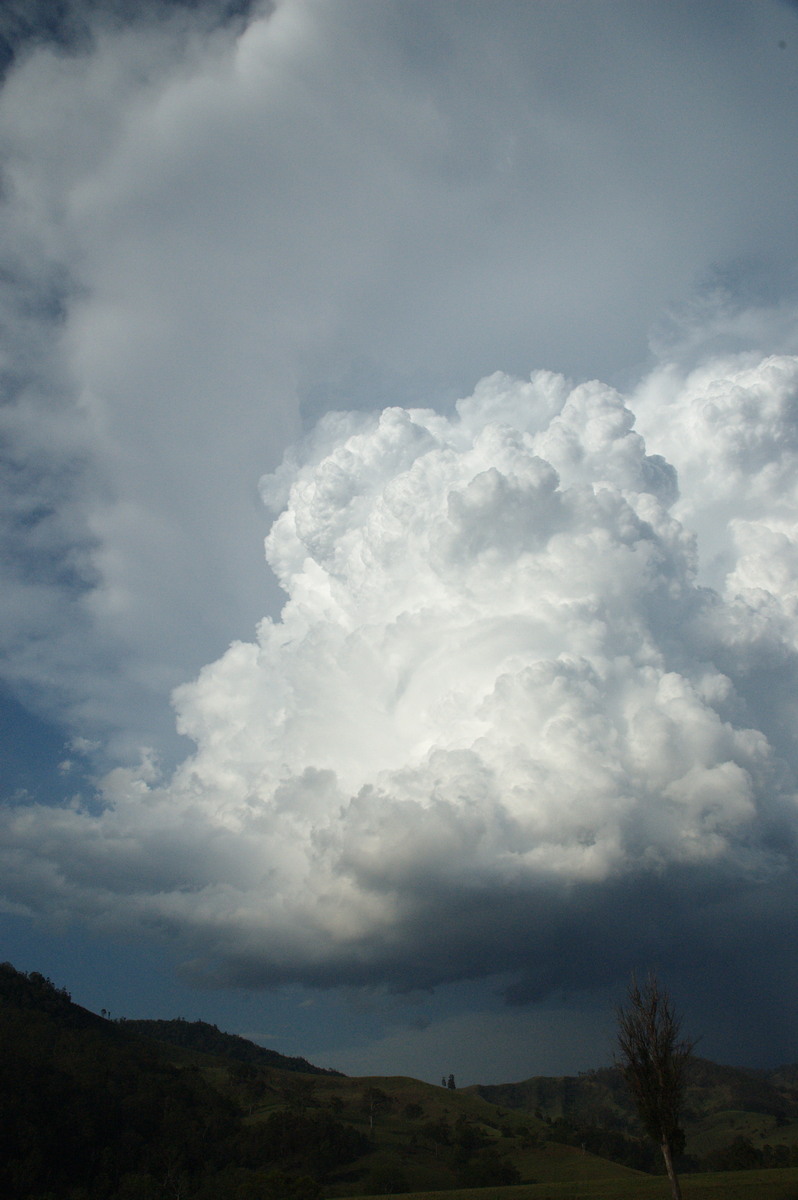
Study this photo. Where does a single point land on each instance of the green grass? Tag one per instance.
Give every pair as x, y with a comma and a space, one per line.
781, 1184
717, 1130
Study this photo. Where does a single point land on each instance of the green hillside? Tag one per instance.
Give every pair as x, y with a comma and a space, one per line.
734, 1118
93, 1109
601, 1096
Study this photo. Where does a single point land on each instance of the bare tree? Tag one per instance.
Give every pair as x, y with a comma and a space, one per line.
653, 1057
375, 1101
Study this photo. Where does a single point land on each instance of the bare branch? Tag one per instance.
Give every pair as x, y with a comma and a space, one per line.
653, 1056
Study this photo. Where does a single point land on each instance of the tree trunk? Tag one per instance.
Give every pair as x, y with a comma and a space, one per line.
676, 1190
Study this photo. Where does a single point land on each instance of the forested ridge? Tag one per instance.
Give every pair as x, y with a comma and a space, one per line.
209, 1039
93, 1110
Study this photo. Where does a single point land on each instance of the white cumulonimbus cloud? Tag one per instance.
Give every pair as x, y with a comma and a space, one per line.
214, 230
530, 667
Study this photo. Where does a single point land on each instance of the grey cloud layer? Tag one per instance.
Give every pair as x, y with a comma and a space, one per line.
500, 714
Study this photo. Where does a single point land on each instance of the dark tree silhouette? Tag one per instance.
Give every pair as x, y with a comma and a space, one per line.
653, 1057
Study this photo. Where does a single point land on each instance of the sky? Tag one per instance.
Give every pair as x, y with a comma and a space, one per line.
399, 528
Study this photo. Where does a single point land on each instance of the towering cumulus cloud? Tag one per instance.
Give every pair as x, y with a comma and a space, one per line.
532, 688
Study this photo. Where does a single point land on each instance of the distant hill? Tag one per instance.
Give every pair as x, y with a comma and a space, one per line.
733, 1117
602, 1098
199, 1035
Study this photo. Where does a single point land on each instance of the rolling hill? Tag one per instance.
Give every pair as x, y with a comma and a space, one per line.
94, 1109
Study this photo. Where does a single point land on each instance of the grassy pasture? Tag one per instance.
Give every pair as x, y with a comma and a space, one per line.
779, 1184
716, 1129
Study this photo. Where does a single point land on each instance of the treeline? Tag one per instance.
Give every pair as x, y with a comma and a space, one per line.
635, 1152
742, 1155
209, 1039
470, 1153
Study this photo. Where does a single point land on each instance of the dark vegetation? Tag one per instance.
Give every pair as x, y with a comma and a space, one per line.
94, 1109
653, 1058
90, 1108
199, 1035
734, 1118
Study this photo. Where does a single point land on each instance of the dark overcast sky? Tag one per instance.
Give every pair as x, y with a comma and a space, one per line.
483, 318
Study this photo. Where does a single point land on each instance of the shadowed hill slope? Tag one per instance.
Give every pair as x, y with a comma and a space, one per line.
209, 1039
